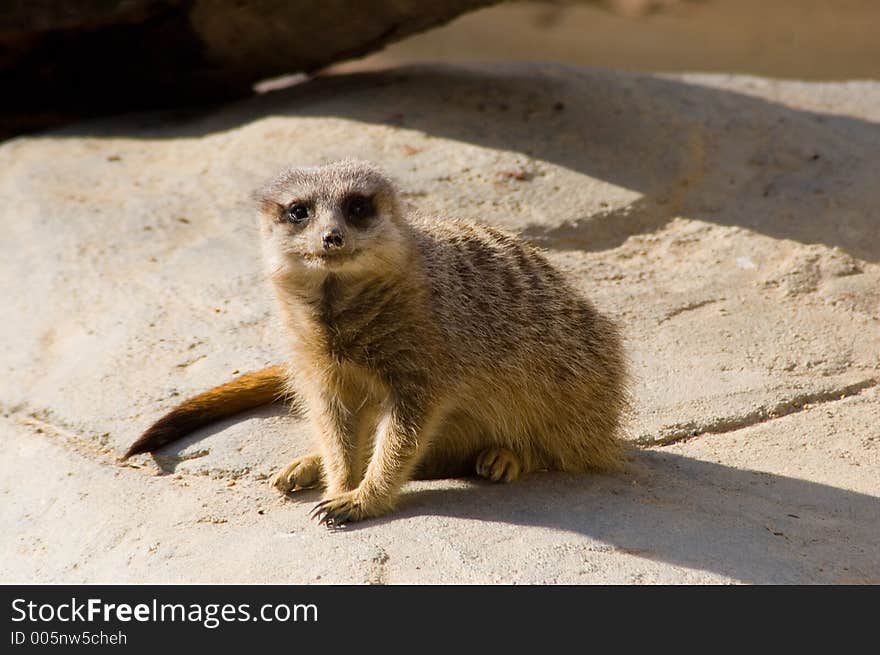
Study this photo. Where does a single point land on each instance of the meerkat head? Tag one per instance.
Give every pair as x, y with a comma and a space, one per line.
338, 218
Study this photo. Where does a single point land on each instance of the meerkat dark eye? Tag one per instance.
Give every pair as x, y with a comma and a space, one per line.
296, 213
358, 209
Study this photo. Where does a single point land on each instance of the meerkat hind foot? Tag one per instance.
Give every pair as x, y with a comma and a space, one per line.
301, 473
498, 465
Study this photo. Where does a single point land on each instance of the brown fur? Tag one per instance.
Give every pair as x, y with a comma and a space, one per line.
244, 392
430, 348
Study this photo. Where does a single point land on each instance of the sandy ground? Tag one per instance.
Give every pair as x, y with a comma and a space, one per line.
729, 223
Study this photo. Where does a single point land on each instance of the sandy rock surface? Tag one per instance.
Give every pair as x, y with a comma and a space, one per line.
731, 224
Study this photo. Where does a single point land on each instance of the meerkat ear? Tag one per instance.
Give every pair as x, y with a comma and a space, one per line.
264, 200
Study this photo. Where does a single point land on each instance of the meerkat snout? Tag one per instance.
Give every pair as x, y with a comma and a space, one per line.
333, 238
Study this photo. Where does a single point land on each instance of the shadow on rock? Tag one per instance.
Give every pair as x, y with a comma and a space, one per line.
690, 150
752, 526
221, 437
748, 525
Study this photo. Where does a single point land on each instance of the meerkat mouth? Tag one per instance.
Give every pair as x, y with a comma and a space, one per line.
332, 257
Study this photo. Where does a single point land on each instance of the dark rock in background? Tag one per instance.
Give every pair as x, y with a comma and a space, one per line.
62, 60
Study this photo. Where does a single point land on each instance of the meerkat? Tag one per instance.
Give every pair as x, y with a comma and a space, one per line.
419, 348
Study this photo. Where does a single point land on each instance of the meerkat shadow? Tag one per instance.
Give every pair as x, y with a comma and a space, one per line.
748, 525
215, 440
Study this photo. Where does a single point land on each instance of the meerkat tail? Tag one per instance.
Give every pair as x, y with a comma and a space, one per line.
244, 392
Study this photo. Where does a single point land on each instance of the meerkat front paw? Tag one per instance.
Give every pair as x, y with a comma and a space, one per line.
301, 473
346, 507
498, 465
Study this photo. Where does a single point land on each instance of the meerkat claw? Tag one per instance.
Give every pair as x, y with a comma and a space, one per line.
319, 513
325, 515
338, 510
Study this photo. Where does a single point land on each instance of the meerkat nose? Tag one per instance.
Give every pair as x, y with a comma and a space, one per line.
333, 239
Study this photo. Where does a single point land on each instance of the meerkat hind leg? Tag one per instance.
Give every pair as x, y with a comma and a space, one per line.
302, 473
499, 464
